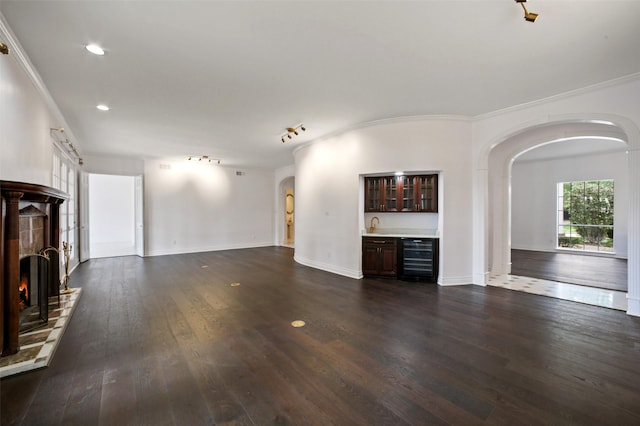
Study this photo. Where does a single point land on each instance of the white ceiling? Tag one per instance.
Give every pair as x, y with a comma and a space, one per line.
226, 78
572, 148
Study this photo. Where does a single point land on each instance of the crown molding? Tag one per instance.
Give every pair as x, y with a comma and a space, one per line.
381, 122
476, 118
560, 96
16, 50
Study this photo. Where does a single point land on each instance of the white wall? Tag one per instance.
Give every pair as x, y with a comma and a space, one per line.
424, 221
187, 211
193, 207
27, 113
110, 165
26, 147
612, 102
329, 209
534, 197
111, 216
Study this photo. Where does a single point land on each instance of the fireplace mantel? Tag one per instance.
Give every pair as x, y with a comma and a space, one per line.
12, 194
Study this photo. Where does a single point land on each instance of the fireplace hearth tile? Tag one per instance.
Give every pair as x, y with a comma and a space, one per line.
55, 334
46, 351
38, 337
53, 314
24, 355
38, 347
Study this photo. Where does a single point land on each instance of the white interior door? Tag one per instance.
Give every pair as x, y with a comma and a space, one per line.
139, 207
84, 217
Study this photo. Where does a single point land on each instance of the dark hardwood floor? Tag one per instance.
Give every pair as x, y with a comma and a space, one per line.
164, 341
591, 271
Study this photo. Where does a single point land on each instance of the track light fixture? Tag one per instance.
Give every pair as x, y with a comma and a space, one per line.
292, 131
57, 133
201, 158
528, 16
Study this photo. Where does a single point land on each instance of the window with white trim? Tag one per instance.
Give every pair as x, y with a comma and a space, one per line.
585, 215
64, 179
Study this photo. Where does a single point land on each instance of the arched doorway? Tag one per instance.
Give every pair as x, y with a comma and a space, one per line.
501, 160
555, 235
492, 241
286, 227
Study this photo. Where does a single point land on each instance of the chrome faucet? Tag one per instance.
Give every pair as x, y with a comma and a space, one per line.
372, 226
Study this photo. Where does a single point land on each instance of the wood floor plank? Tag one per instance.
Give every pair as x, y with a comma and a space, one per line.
574, 268
164, 340
150, 392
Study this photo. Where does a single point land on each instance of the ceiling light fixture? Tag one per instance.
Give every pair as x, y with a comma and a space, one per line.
95, 49
292, 131
4, 49
205, 158
528, 16
58, 135
102, 107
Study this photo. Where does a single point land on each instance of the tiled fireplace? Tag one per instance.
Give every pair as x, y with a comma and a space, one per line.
30, 267
33, 291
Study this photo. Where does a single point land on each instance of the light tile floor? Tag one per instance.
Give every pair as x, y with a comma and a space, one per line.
577, 293
38, 346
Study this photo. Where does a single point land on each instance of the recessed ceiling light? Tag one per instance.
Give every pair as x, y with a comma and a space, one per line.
95, 49
102, 107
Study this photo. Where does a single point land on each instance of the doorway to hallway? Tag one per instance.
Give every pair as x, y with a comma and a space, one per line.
286, 213
111, 215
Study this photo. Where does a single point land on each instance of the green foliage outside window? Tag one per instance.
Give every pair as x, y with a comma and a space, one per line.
587, 215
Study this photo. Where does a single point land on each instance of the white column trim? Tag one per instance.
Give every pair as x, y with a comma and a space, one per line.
633, 226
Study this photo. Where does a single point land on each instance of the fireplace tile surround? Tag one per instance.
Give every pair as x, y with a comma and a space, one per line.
36, 201
38, 346
32, 230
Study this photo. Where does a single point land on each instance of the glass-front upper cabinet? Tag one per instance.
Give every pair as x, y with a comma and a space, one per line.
381, 194
418, 193
408, 193
390, 203
373, 194
427, 193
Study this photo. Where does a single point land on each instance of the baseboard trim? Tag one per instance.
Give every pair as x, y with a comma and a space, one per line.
481, 279
633, 306
346, 272
165, 252
451, 281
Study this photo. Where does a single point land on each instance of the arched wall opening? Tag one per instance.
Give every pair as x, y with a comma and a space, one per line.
495, 203
285, 212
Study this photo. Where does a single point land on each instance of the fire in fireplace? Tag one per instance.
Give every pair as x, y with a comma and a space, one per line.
33, 291
23, 293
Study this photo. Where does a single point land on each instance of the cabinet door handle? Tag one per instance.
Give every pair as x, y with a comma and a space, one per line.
378, 242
